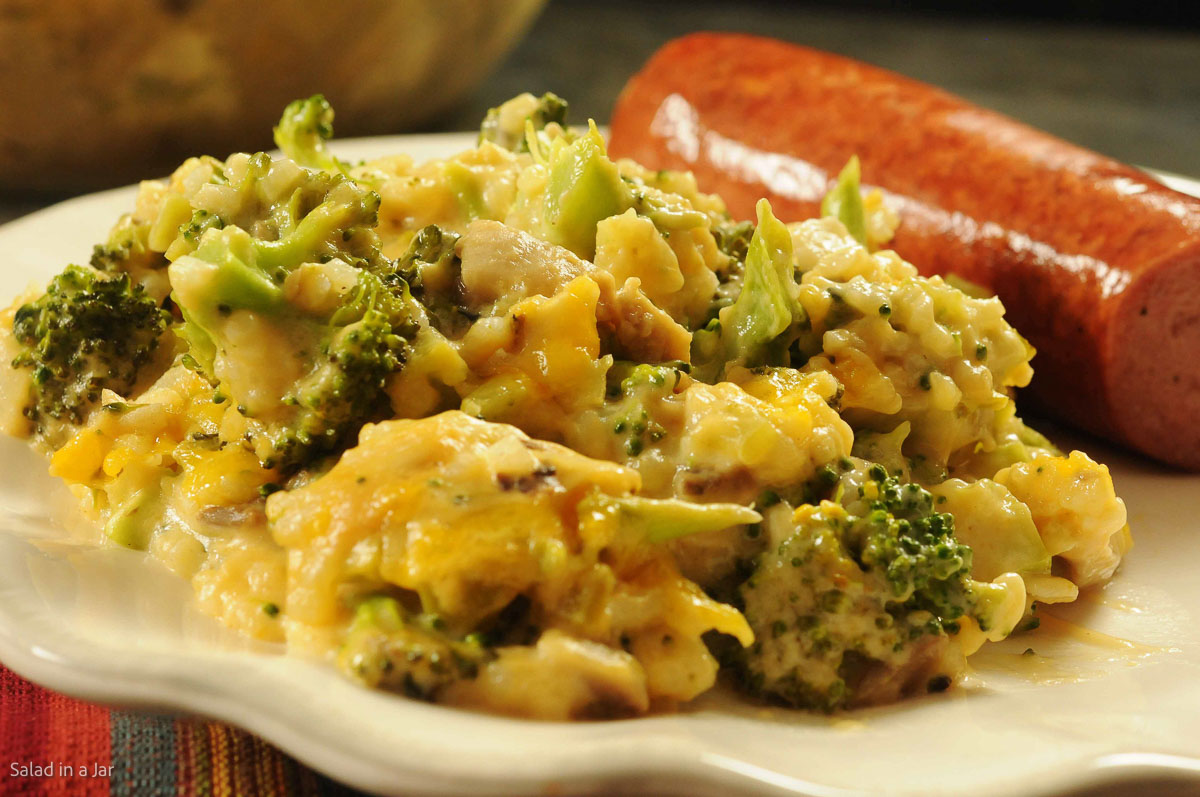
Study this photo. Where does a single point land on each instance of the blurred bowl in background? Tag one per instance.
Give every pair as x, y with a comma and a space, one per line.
101, 92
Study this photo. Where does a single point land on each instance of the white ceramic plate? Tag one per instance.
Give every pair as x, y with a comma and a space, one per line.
1088, 710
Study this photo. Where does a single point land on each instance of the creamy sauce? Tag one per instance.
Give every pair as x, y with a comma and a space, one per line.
1096, 639
1100, 598
1058, 652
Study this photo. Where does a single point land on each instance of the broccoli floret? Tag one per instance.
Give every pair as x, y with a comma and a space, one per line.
347, 386
431, 244
326, 219
903, 537
86, 333
431, 250
856, 605
303, 130
127, 251
551, 108
388, 648
433, 271
201, 222
344, 345
634, 394
733, 238
505, 125
333, 228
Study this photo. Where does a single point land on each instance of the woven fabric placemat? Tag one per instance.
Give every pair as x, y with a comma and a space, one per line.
51, 744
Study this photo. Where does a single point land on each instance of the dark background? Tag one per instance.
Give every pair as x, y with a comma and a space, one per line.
1123, 79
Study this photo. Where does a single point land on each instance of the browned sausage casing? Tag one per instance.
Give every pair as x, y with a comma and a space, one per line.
1097, 263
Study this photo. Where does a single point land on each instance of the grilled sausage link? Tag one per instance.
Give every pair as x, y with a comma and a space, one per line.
1097, 263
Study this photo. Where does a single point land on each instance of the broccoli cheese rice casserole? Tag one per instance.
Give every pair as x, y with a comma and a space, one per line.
541, 433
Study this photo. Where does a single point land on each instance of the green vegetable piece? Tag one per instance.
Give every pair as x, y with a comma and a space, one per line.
302, 133
733, 238
132, 523
496, 398
201, 222
345, 390
582, 189
884, 448
88, 332
844, 202
431, 244
766, 306
344, 356
634, 391
127, 250
666, 212
506, 125
228, 265
323, 232
1020, 444
466, 189
388, 648
551, 108
660, 520
861, 592
990, 601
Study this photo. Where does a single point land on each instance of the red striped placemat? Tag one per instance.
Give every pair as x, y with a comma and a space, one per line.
51, 744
